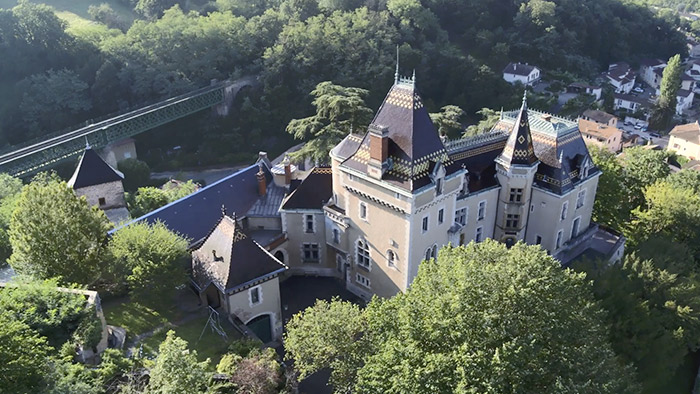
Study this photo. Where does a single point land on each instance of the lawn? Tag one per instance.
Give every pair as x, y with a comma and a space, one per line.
134, 317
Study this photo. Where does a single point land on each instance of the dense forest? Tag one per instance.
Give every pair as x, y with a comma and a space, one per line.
55, 75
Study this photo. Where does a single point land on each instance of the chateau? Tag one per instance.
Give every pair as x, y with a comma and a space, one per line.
390, 199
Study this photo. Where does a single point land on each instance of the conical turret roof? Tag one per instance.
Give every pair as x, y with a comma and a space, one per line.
92, 170
519, 150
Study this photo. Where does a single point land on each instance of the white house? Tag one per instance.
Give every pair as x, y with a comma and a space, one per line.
684, 100
650, 70
578, 87
523, 73
621, 77
628, 102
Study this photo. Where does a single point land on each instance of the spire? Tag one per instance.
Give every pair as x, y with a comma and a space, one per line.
413, 78
519, 149
87, 144
396, 74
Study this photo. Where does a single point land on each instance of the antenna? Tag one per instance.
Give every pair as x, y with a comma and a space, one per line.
396, 74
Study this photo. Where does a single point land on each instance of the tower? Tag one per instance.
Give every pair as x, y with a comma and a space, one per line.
515, 170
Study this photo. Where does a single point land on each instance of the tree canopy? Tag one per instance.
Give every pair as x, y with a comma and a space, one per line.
480, 318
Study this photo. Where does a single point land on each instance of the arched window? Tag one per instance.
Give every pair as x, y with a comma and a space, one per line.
434, 252
362, 253
279, 256
428, 253
391, 258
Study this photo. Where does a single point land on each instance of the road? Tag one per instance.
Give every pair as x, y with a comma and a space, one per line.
662, 141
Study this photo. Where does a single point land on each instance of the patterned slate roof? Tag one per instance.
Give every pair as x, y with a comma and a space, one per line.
92, 170
230, 258
519, 150
413, 140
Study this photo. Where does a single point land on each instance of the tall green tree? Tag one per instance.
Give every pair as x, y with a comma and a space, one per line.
665, 107
152, 259
339, 111
489, 118
448, 121
611, 207
481, 318
24, 357
54, 233
641, 168
176, 369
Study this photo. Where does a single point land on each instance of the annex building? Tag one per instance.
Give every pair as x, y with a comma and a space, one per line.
390, 199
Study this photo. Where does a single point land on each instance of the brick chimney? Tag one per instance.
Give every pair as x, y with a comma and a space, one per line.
287, 170
262, 184
378, 151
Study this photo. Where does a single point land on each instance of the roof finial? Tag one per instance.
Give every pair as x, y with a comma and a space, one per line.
223, 210
525, 99
413, 78
501, 113
87, 143
561, 156
396, 74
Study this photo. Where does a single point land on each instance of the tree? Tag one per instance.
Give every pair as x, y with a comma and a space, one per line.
153, 9
256, 373
489, 118
55, 233
339, 111
665, 107
103, 13
448, 120
177, 189
653, 311
641, 168
481, 318
24, 354
147, 199
9, 193
152, 258
610, 207
176, 370
136, 173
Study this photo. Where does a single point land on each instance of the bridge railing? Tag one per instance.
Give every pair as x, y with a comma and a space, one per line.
93, 122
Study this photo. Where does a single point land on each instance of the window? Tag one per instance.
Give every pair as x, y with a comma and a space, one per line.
362, 254
482, 210
516, 195
101, 201
309, 223
461, 216
255, 295
363, 280
363, 211
438, 186
391, 258
564, 210
479, 234
574, 227
433, 252
512, 220
310, 253
339, 262
336, 236
441, 216
558, 243
461, 238
538, 240
428, 253
425, 224
580, 199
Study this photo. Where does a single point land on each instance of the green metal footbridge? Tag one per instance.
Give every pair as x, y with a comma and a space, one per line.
35, 156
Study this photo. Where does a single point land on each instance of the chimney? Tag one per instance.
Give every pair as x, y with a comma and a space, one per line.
287, 170
262, 185
378, 151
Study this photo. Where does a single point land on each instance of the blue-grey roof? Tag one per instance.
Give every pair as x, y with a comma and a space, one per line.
195, 215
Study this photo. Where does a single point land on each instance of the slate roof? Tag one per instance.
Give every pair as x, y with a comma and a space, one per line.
92, 170
683, 93
313, 192
519, 150
651, 62
194, 215
689, 132
413, 140
269, 204
518, 69
621, 72
230, 259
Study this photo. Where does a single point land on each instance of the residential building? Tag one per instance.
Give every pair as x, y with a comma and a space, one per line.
582, 88
685, 140
601, 117
628, 102
101, 185
523, 73
621, 77
650, 71
608, 137
684, 100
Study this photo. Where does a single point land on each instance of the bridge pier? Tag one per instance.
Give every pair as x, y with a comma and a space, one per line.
118, 151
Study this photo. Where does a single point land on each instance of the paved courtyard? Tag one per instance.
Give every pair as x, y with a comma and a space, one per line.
300, 292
